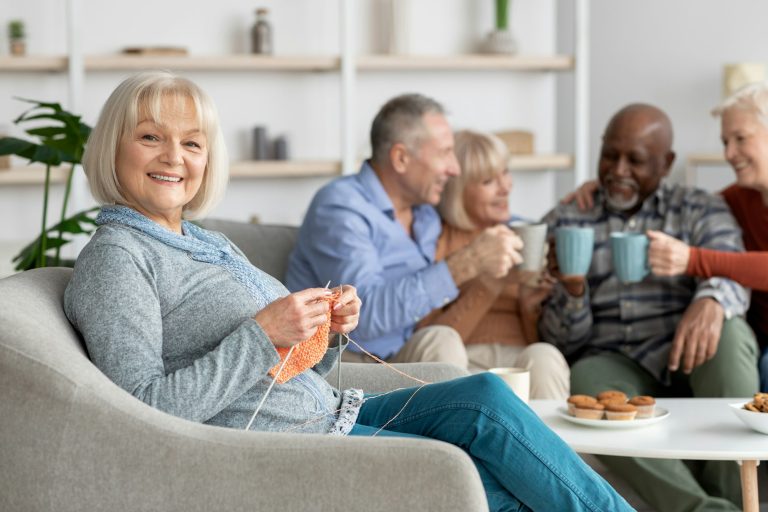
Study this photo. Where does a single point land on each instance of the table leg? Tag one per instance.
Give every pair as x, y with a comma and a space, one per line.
748, 470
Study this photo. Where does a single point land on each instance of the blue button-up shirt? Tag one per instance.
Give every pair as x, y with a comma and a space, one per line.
639, 320
350, 235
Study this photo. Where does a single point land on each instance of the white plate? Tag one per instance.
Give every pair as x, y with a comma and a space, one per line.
659, 414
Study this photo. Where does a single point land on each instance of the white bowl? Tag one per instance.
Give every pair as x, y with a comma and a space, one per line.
754, 420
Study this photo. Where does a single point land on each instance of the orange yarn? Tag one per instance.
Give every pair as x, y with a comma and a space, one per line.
307, 353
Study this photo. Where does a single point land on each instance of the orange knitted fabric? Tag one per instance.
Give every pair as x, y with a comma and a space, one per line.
307, 353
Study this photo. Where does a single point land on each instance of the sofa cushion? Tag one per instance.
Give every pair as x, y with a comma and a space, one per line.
267, 246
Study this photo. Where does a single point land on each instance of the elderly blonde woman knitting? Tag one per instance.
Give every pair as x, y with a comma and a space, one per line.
179, 318
496, 317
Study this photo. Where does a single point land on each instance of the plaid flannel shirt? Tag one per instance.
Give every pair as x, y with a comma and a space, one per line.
639, 319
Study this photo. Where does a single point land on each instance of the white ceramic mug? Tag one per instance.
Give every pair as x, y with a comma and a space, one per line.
519, 379
534, 237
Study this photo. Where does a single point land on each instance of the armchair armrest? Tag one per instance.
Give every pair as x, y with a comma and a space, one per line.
377, 377
148, 460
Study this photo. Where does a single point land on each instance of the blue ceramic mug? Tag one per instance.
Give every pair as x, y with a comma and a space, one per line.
574, 246
630, 256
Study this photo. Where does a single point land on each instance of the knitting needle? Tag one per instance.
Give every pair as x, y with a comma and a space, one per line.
338, 340
271, 384
338, 363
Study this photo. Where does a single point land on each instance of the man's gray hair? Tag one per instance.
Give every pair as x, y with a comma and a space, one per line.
400, 120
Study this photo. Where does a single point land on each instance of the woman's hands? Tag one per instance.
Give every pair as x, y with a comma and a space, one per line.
346, 312
534, 292
667, 256
296, 317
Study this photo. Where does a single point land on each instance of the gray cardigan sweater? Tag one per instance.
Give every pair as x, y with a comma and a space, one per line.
179, 335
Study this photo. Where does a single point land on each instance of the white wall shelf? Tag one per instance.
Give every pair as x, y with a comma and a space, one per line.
31, 175
333, 87
284, 169
467, 62
212, 63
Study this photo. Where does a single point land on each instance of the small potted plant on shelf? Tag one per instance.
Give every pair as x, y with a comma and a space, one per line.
501, 39
62, 141
17, 37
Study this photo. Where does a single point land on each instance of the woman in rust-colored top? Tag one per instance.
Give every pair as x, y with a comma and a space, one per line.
495, 317
744, 132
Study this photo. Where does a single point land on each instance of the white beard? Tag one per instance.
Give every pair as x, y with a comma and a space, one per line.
621, 204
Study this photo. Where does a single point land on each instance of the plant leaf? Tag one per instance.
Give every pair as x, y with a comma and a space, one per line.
81, 223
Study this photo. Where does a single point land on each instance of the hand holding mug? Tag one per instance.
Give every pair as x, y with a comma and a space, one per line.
496, 251
574, 284
667, 256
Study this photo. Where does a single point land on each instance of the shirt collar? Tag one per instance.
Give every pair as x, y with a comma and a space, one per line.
375, 190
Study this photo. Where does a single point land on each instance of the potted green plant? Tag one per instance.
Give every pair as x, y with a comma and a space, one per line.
501, 39
61, 141
17, 36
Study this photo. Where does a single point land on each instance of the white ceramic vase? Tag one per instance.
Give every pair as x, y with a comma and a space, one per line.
500, 42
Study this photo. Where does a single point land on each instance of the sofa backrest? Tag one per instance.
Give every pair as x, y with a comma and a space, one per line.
267, 246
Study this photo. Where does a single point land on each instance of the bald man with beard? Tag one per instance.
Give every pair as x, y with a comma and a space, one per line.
662, 336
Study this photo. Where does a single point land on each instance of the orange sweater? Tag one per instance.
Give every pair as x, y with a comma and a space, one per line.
750, 268
485, 311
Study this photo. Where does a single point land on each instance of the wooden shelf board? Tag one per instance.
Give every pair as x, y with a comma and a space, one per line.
702, 159
293, 63
465, 62
31, 175
540, 162
284, 168
211, 63
33, 63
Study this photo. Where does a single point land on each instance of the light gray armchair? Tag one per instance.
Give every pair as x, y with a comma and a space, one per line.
71, 440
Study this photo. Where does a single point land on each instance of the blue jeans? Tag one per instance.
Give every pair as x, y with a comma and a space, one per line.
522, 463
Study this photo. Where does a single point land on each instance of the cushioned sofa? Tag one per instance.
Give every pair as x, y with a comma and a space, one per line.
70, 440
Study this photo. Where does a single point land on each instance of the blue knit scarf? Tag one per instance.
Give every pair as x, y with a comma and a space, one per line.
201, 245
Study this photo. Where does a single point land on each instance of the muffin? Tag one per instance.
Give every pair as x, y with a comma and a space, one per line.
575, 399
645, 406
612, 400
589, 411
619, 411
612, 395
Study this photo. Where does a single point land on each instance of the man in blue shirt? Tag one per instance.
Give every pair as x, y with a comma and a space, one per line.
378, 229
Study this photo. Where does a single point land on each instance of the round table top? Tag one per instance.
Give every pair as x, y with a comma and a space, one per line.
696, 428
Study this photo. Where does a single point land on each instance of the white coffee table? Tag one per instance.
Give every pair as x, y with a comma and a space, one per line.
696, 429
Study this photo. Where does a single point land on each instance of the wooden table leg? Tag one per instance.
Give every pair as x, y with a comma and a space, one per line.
749, 496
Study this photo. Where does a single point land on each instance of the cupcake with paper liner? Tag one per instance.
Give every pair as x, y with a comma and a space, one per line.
612, 395
575, 399
620, 411
589, 411
646, 406
612, 400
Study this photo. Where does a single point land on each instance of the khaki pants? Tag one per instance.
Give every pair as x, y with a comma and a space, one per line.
434, 344
550, 375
